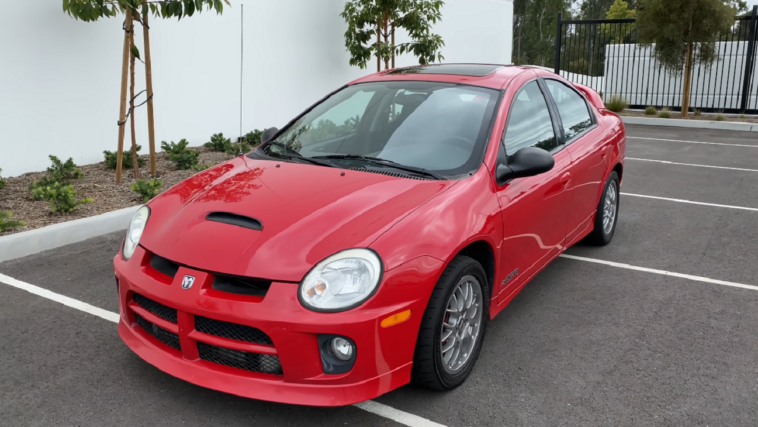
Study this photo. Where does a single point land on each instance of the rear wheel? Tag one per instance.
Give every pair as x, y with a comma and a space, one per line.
453, 326
606, 216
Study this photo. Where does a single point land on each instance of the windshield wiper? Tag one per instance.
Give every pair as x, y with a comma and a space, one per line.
294, 155
384, 162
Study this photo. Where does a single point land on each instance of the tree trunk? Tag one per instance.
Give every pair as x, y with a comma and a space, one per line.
386, 40
135, 164
378, 45
687, 82
122, 112
393, 45
149, 82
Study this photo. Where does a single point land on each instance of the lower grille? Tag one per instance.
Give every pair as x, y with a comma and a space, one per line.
231, 331
264, 363
158, 309
166, 337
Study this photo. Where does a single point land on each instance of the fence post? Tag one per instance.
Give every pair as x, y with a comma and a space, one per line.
750, 63
558, 40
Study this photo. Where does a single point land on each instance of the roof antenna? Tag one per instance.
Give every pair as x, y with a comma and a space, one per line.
242, 58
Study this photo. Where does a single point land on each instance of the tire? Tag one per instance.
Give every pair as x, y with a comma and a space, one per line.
429, 368
602, 234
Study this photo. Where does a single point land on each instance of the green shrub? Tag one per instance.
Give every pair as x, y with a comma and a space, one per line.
698, 113
219, 143
616, 104
254, 138
63, 172
201, 168
742, 116
650, 111
2, 182
147, 189
61, 197
664, 113
178, 153
235, 149
6, 223
126, 161
719, 118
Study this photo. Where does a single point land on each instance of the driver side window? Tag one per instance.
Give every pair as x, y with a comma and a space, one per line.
529, 122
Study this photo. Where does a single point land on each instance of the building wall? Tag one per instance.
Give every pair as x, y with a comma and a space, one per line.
60, 78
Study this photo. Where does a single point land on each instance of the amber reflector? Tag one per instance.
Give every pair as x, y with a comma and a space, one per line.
396, 318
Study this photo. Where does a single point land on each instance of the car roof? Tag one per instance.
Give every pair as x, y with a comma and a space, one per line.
495, 76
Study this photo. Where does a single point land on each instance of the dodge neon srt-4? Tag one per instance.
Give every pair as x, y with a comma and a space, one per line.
367, 243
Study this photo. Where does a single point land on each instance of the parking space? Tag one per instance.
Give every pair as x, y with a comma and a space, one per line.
583, 344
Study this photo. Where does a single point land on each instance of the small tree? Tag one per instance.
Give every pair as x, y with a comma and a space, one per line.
618, 10
685, 33
137, 11
380, 19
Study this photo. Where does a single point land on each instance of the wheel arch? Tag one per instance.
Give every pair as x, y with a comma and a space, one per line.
482, 252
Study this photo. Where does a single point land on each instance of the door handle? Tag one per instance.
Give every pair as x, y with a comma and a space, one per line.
566, 179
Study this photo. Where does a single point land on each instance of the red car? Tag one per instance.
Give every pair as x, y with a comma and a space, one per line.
367, 243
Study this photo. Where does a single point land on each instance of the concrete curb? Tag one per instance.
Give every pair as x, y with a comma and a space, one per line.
54, 236
695, 124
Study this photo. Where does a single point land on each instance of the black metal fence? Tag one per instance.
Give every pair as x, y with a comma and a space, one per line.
604, 55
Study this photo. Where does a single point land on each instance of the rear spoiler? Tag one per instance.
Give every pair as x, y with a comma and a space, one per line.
591, 95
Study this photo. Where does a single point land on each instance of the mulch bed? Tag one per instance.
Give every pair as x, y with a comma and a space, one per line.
98, 182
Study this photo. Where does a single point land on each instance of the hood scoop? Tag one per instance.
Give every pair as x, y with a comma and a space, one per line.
234, 219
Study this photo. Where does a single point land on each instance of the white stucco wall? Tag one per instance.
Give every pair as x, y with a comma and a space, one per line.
60, 78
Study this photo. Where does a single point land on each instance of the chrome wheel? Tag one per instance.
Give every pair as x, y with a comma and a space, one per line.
461, 324
610, 207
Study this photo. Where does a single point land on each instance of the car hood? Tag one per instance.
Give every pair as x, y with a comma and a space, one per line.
307, 213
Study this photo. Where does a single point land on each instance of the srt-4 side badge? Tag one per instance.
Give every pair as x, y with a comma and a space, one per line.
187, 282
513, 274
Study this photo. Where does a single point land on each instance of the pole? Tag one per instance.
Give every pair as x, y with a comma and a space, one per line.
558, 41
242, 58
750, 63
149, 82
122, 113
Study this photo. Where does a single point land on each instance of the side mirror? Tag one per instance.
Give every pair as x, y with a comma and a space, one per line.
268, 134
528, 161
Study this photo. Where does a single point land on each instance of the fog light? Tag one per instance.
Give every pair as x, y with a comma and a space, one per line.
342, 349
270, 364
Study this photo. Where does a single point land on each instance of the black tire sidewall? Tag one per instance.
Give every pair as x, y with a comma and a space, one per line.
601, 235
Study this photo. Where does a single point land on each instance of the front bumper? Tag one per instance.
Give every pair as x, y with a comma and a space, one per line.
383, 355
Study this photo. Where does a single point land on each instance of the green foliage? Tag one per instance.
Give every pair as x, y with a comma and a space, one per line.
235, 149
219, 143
6, 223
719, 118
534, 24
126, 161
664, 113
254, 137
61, 197
742, 116
183, 157
698, 113
616, 33
201, 168
2, 182
92, 10
147, 189
371, 24
63, 172
650, 111
616, 104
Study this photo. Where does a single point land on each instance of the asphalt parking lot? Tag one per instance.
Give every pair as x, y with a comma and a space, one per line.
608, 337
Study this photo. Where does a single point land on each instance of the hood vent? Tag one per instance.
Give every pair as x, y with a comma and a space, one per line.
234, 219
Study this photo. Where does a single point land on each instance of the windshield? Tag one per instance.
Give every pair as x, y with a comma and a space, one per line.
433, 126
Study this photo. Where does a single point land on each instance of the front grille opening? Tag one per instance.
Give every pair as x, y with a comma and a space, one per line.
163, 265
158, 309
166, 337
253, 362
231, 331
241, 285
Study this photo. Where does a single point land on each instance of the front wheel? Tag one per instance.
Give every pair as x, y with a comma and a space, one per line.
452, 330
606, 216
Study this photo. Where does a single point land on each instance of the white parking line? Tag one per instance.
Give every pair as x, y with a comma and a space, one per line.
691, 202
376, 408
690, 164
661, 272
693, 142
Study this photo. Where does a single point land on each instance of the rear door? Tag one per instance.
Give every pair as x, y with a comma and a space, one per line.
533, 208
589, 152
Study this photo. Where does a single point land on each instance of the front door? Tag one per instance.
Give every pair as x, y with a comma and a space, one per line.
534, 209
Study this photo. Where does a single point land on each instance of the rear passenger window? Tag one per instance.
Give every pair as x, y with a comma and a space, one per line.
529, 122
574, 112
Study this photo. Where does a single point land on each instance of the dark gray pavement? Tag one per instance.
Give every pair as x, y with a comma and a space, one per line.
583, 344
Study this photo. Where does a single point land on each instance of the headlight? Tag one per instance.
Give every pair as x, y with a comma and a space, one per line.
341, 282
133, 234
